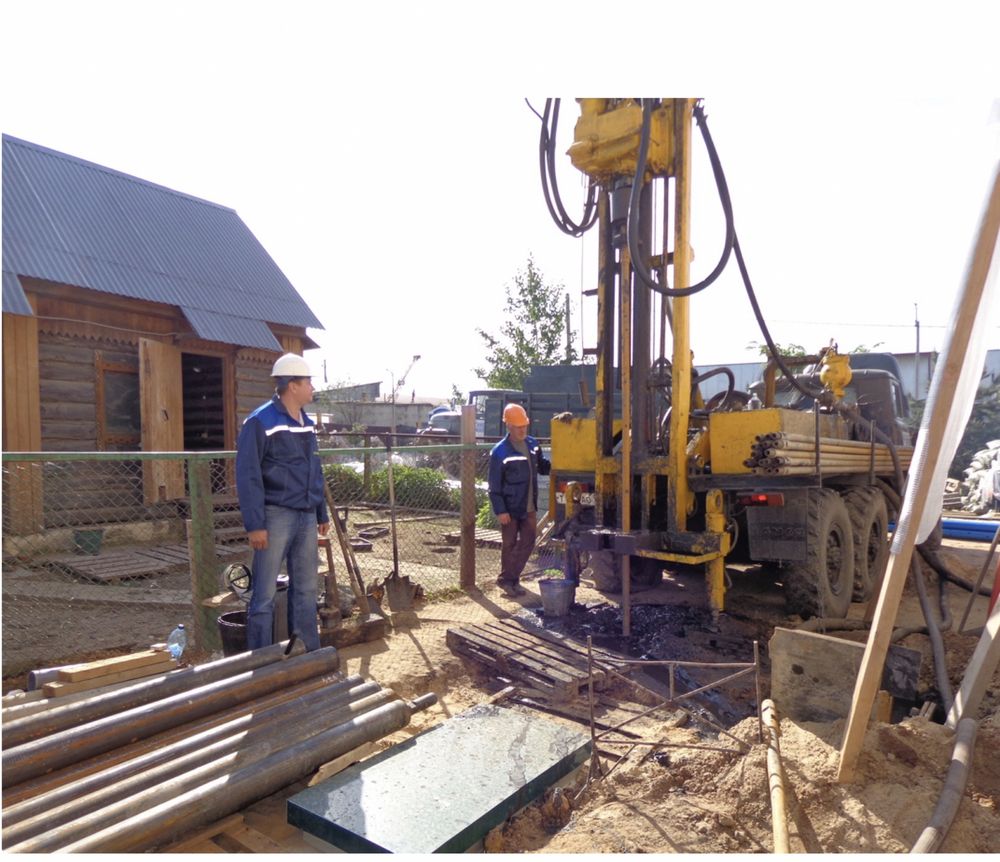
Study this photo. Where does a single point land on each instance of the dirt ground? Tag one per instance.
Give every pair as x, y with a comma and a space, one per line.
695, 800
688, 799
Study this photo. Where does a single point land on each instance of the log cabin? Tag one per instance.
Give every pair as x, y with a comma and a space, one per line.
135, 317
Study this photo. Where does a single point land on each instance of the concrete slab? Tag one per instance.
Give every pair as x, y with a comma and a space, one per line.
443, 790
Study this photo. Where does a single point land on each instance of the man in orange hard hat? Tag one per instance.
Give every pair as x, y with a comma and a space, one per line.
515, 463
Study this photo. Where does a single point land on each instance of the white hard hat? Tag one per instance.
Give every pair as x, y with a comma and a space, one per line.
291, 365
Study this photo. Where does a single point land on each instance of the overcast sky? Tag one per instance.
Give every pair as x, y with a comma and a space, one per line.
387, 161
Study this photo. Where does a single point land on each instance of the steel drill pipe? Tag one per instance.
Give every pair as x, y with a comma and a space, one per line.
19, 731
78, 743
170, 758
775, 778
228, 793
83, 817
151, 744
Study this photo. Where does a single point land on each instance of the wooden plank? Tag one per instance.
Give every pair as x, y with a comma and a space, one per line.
203, 834
618, 663
978, 674
162, 411
572, 664
103, 667
940, 403
57, 689
524, 655
563, 687
244, 839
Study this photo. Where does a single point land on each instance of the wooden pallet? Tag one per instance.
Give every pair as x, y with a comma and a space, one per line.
131, 563
553, 666
484, 538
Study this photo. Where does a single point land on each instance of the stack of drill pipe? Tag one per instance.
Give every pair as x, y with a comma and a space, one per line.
130, 777
782, 454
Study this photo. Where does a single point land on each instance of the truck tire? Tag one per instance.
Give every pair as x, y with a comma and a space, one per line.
606, 570
870, 528
822, 584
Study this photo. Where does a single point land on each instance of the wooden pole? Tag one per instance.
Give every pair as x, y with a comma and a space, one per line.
467, 542
918, 490
201, 549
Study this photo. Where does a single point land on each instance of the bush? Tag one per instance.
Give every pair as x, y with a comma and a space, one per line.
346, 484
415, 488
485, 517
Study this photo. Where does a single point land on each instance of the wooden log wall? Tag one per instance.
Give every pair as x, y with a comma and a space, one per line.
80, 493
253, 382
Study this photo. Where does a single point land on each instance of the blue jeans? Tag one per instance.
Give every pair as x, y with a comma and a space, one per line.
291, 536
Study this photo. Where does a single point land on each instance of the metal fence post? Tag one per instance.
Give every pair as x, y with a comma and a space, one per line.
201, 549
467, 546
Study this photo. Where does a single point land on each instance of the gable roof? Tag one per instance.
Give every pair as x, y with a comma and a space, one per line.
78, 223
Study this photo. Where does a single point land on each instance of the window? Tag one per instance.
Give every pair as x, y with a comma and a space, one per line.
119, 425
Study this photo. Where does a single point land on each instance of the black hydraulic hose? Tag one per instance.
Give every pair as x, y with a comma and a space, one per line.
928, 551
934, 633
547, 166
638, 264
731, 378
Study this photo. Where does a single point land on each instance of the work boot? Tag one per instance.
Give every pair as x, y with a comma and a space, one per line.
511, 589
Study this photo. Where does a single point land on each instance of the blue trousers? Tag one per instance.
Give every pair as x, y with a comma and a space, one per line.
291, 537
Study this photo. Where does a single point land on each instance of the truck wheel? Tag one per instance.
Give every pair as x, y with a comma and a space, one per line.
870, 531
822, 584
606, 570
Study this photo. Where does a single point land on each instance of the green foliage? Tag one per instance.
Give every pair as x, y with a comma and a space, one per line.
346, 485
533, 332
783, 349
485, 517
983, 426
415, 487
457, 398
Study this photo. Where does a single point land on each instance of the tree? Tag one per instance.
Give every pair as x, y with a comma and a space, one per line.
532, 334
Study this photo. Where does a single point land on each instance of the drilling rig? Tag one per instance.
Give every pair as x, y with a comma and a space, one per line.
800, 472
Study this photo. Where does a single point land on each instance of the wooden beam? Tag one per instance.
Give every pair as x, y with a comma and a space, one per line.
103, 667
982, 666
918, 489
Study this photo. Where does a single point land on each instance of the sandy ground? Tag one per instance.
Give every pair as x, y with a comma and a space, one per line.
695, 800
687, 799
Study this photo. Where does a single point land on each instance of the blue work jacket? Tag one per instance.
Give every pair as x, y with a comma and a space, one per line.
278, 464
511, 478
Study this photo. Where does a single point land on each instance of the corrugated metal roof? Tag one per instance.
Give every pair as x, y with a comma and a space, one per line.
14, 300
75, 222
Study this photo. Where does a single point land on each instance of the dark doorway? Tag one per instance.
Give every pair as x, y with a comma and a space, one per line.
204, 422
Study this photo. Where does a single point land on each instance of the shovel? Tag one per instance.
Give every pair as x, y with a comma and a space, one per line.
399, 592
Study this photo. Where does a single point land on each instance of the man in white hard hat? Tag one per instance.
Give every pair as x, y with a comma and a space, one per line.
279, 480
515, 463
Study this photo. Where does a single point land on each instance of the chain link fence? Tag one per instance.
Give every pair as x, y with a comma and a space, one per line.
100, 550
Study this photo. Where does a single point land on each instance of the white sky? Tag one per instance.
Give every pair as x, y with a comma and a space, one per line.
387, 161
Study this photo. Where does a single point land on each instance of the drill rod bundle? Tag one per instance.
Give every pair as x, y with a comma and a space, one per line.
137, 777
782, 454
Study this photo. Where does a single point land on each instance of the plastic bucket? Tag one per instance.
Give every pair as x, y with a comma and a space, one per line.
557, 596
233, 631
87, 541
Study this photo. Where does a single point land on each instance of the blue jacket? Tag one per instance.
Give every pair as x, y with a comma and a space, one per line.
511, 478
278, 464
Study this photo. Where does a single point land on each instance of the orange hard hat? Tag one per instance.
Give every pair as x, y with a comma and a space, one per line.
513, 414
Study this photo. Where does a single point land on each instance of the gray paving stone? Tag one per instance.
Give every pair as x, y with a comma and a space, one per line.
443, 790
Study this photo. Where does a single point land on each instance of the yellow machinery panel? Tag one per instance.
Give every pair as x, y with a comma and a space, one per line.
606, 140
731, 435
574, 444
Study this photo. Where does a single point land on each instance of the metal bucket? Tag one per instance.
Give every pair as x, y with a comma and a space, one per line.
233, 631
557, 596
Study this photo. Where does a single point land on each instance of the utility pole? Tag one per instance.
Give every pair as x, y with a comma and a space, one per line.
569, 347
916, 358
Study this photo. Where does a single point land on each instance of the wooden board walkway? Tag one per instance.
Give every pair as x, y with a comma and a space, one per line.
132, 562
484, 538
553, 666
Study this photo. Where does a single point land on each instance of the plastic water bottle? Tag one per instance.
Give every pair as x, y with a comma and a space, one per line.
177, 641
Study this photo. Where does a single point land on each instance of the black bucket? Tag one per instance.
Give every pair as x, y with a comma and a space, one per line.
233, 630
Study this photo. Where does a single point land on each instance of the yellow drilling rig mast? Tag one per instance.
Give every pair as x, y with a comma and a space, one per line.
800, 472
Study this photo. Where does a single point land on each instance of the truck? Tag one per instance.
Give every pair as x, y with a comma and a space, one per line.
801, 472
